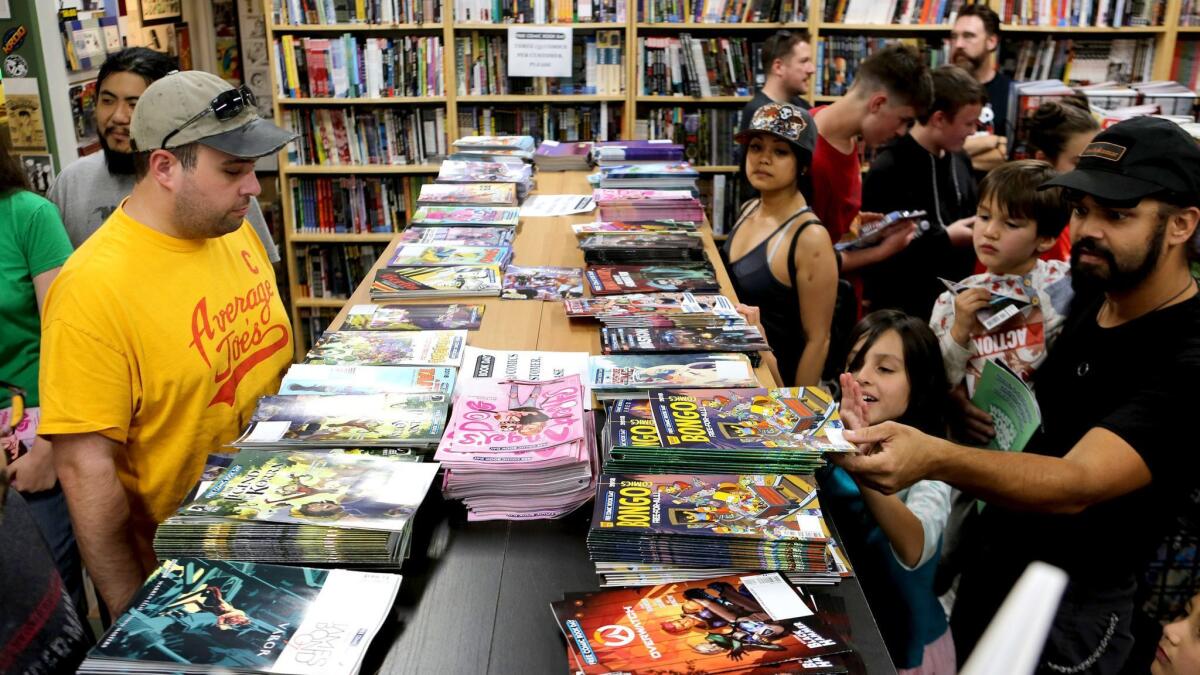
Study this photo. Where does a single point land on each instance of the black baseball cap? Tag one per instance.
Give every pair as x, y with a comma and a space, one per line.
1134, 159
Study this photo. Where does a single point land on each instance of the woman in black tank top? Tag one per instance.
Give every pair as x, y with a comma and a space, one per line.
780, 256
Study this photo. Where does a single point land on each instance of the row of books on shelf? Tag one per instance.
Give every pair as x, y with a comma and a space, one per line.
906, 12
356, 136
1189, 13
327, 12
722, 11
334, 271
540, 11
699, 67
597, 66
838, 57
1097, 13
356, 66
1081, 61
353, 204
1185, 66
563, 123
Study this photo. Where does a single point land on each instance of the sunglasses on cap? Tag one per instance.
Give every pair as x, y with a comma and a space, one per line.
225, 106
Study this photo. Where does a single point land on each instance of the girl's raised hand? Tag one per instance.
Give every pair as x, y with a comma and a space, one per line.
853, 409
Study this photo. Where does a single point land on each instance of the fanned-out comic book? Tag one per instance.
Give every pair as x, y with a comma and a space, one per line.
414, 317
309, 378
542, 283
648, 227
732, 623
612, 307
524, 143
516, 415
614, 279
421, 255
625, 340
428, 216
458, 236
459, 171
473, 194
623, 376
421, 282
389, 348
200, 615
316, 421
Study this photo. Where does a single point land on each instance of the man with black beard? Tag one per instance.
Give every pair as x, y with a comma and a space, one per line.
1112, 466
974, 44
88, 190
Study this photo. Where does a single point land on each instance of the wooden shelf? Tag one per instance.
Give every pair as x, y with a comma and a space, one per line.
539, 98
597, 25
332, 303
689, 25
718, 168
327, 169
1083, 30
383, 100
341, 238
888, 27
353, 27
1188, 29
694, 99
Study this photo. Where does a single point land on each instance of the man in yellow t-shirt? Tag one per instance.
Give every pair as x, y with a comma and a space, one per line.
164, 328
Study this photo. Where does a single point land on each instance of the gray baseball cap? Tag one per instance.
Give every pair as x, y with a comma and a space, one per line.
193, 106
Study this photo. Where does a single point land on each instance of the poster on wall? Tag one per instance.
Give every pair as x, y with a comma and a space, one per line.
229, 61
39, 170
161, 9
183, 45
24, 108
256, 70
83, 111
160, 38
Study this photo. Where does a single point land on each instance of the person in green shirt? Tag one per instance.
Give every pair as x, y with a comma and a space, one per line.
33, 246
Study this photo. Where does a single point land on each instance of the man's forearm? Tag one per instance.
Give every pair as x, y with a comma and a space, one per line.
1015, 480
100, 517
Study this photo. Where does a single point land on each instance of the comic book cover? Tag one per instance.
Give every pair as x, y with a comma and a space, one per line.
486, 194
526, 143
308, 378
661, 371
636, 240
718, 506
354, 419
636, 304
613, 279
420, 255
389, 348
458, 236
414, 317
542, 283
618, 196
467, 280
792, 417
533, 366
710, 626
316, 488
622, 340
650, 170
466, 215
458, 171
637, 211
516, 415
649, 227
194, 612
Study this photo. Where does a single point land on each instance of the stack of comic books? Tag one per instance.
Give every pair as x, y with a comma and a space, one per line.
741, 431
656, 175
542, 283
519, 450
615, 279
427, 255
414, 317
310, 378
473, 194
466, 216
463, 171
660, 525
609, 153
750, 623
623, 340
397, 283
395, 420
494, 143
459, 235
562, 156
619, 377
683, 227
389, 348
657, 310
195, 615
632, 205
302, 507
642, 249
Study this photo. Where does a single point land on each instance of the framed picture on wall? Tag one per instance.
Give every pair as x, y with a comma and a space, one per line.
161, 9
160, 38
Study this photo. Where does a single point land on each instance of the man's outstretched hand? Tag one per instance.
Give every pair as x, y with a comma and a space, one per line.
893, 456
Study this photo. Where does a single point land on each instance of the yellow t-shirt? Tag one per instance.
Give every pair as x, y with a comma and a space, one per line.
164, 345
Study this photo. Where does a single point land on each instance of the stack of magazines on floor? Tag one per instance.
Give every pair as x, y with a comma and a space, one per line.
613, 153
351, 508
519, 449
562, 156
195, 615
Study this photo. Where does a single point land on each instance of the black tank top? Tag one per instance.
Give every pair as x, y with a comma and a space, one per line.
756, 285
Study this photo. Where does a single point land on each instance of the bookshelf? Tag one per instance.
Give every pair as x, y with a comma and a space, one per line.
629, 104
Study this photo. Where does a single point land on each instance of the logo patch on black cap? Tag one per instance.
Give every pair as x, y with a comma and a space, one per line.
1110, 151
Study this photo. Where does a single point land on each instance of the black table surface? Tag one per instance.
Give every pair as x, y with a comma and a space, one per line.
476, 598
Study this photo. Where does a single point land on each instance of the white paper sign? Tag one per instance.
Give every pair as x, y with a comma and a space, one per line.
539, 52
544, 206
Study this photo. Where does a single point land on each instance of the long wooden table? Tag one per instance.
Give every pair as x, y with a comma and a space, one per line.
476, 596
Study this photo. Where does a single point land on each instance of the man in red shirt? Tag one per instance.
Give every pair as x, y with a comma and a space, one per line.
892, 86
